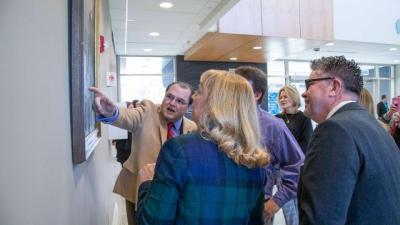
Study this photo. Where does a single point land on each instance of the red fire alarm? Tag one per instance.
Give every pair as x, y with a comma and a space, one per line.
102, 45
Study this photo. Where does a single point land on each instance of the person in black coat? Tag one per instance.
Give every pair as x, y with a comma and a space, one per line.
299, 125
381, 107
123, 146
351, 170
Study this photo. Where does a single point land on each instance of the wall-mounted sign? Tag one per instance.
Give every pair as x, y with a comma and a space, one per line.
111, 79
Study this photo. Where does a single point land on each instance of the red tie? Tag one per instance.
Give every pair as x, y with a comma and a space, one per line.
170, 133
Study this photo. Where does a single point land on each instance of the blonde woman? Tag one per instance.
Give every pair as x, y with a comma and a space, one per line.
295, 120
213, 176
367, 102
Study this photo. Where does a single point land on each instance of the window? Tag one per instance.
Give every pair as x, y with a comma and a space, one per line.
378, 79
299, 69
137, 74
276, 80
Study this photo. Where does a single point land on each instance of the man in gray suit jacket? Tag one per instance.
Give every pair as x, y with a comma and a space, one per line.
351, 171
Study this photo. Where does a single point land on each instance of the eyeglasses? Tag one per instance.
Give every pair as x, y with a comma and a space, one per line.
310, 82
170, 97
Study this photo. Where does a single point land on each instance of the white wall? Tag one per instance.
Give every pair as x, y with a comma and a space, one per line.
366, 20
39, 185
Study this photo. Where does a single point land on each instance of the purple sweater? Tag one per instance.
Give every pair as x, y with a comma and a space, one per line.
286, 157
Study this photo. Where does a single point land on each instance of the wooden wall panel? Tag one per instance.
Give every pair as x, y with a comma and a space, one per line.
316, 19
280, 18
215, 45
243, 18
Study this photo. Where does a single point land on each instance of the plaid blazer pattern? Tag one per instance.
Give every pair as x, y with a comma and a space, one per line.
196, 183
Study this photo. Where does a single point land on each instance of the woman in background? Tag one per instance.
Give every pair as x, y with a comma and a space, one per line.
215, 175
367, 102
295, 120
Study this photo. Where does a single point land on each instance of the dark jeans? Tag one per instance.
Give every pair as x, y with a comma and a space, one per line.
131, 213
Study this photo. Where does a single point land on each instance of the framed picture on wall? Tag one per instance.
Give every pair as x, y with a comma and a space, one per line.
85, 131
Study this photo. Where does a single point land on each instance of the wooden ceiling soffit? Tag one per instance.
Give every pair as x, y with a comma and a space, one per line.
213, 46
221, 47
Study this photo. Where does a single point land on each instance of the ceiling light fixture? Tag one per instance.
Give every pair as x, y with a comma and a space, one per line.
330, 44
392, 49
147, 49
166, 5
154, 34
257, 47
233, 59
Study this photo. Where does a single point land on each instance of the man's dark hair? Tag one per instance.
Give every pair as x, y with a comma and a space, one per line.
338, 66
183, 85
257, 78
383, 97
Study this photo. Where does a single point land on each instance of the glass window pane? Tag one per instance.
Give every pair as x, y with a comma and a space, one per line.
274, 84
367, 70
385, 88
301, 87
137, 87
384, 71
276, 68
299, 69
146, 65
369, 85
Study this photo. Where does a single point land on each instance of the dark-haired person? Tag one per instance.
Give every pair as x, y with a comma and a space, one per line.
123, 146
286, 154
382, 107
351, 170
151, 125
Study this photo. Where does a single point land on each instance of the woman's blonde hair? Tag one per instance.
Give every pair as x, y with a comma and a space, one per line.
367, 101
293, 93
230, 118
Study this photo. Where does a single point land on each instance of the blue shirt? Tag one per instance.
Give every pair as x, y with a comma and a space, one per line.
176, 128
286, 157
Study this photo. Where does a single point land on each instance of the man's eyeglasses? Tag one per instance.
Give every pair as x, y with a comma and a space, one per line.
171, 97
310, 82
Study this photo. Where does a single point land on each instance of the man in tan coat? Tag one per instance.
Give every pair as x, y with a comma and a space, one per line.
150, 125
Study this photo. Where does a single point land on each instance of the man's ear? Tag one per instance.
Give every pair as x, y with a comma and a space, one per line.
337, 87
258, 95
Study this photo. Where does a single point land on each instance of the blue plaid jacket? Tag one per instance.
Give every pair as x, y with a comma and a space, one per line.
196, 183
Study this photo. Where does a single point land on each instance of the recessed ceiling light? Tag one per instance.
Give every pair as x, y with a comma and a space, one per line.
392, 49
233, 59
257, 47
166, 5
147, 49
330, 44
154, 34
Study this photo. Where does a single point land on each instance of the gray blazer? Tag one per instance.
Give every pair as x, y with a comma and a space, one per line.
351, 173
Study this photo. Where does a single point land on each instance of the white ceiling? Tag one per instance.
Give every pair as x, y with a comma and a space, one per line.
188, 20
179, 26
361, 52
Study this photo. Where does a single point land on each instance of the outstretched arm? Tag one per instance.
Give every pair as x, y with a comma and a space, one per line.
102, 104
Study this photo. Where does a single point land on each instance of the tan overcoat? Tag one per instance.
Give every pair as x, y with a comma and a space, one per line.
149, 132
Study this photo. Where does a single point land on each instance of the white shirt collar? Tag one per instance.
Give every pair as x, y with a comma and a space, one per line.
337, 107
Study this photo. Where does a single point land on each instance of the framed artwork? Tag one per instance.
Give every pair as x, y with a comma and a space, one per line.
85, 131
